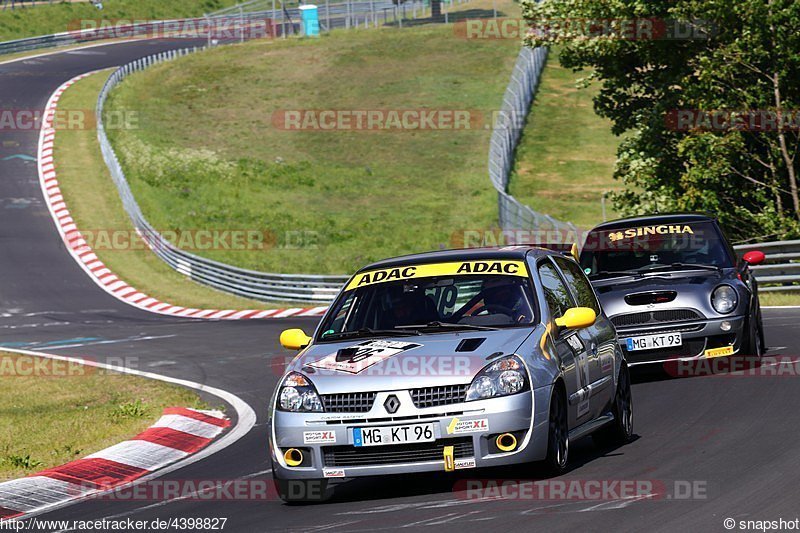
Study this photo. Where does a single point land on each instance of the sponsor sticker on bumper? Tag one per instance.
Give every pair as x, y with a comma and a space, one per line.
458, 427
461, 464
333, 472
319, 437
719, 352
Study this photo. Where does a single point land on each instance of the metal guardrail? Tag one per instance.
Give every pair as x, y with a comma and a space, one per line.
78, 36
514, 215
282, 21
248, 283
781, 271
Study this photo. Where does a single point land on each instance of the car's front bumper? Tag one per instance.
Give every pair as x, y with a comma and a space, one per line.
700, 340
512, 414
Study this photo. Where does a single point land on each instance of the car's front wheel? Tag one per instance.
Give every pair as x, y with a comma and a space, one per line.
753, 340
558, 435
620, 431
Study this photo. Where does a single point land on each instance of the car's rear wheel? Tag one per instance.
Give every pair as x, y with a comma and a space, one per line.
620, 431
558, 435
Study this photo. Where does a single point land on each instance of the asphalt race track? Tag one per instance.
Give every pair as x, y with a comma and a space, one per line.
734, 439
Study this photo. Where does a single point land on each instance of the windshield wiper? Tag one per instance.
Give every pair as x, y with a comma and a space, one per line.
369, 331
657, 267
447, 325
616, 273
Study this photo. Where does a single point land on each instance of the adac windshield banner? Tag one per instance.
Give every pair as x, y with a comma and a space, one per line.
458, 268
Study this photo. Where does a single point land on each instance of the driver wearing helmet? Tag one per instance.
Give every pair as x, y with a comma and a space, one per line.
505, 296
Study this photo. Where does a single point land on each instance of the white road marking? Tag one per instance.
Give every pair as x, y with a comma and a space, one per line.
112, 341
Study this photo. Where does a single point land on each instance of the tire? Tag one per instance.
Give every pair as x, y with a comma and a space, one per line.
557, 457
299, 491
620, 431
753, 342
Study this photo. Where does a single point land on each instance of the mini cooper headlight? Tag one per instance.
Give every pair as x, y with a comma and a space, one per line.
724, 299
502, 378
298, 395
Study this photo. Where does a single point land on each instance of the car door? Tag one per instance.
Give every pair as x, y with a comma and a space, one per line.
599, 339
569, 345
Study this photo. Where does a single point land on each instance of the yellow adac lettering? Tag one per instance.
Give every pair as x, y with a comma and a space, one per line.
409, 272
511, 268
365, 280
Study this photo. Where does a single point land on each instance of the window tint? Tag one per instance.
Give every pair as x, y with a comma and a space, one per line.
558, 298
579, 283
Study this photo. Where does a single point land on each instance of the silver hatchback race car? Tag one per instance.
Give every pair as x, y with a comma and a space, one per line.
447, 361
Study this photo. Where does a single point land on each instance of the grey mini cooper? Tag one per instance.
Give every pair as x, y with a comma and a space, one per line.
675, 288
447, 361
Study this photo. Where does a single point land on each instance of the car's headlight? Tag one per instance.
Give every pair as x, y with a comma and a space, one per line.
298, 395
501, 378
724, 299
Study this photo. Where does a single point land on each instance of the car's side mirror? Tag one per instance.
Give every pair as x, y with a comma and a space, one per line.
754, 258
577, 318
294, 339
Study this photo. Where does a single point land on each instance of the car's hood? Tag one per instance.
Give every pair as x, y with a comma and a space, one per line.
692, 290
390, 363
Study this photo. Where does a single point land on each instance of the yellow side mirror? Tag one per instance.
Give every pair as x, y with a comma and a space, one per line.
294, 339
577, 318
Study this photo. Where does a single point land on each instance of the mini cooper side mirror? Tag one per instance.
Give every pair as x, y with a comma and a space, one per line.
754, 258
294, 339
577, 318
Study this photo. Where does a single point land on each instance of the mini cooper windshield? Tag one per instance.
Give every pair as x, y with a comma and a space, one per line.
638, 250
432, 304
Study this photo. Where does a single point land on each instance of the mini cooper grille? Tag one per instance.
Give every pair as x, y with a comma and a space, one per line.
352, 402
655, 317
341, 456
435, 396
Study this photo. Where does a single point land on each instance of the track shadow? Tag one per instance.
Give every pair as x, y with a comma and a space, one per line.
582, 452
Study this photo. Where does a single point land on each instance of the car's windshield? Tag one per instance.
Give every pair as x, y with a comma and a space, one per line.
639, 249
432, 304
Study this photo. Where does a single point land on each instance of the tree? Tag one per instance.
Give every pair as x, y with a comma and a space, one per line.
713, 61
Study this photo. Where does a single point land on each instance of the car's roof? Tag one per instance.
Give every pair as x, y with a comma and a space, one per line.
671, 218
466, 254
